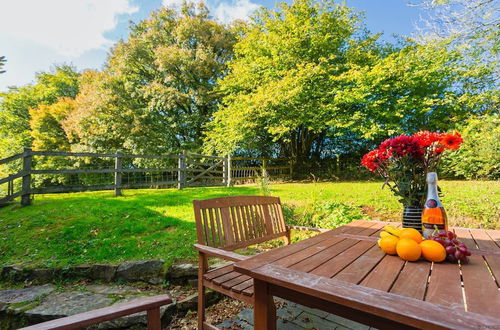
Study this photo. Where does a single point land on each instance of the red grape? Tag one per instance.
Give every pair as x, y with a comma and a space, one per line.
450, 249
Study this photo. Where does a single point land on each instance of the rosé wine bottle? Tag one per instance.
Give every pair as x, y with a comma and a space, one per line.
433, 215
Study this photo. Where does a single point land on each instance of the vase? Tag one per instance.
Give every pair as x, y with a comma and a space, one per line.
412, 217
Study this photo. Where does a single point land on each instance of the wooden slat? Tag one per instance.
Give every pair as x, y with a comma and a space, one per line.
384, 274
206, 229
235, 281
12, 177
412, 280
484, 241
479, 285
212, 228
360, 267
445, 286
218, 272
220, 233
335, 265
242, 286
11, 158
230, 232
226, 277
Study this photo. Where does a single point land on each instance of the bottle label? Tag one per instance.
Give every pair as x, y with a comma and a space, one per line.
429, 228
431, 203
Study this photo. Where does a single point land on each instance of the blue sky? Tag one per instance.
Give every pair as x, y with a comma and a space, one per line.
36, 34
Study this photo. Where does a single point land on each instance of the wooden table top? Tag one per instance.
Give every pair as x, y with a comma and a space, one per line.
350, 253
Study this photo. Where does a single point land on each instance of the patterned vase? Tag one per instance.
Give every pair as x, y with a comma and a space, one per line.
412, 217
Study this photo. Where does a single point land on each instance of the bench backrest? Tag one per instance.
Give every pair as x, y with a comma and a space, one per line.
231, 223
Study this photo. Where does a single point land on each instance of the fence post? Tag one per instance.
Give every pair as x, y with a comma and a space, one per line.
291, 168
26, 184
263, 167
182, 171
227, 171
118, 173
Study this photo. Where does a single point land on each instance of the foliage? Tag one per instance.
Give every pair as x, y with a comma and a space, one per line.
278, 90
157, 91
46, 127
479, 156
15, 105
325, 214
95, 227
263, 183
307, 78
404, 161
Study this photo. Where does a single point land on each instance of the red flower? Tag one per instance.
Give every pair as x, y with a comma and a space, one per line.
426, 138
405, 145
371, 160
438, 150
452, 141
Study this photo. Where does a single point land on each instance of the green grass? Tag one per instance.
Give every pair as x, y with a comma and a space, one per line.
95, 227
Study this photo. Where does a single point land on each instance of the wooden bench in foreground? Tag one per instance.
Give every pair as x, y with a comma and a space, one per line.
150, 304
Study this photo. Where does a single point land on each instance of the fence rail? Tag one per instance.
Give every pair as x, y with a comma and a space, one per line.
84, 171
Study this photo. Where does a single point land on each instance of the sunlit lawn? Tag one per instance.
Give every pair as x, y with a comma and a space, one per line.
69, 229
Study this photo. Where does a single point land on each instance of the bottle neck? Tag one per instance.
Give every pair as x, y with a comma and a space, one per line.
432, 193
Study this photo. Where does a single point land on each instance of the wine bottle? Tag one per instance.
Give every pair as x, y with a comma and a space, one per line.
433, 215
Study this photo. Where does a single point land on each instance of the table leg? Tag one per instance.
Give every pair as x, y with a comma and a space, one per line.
264, 310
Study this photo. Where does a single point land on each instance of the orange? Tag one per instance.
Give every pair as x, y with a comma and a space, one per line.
388, 244
408, 249
433, 251
411, 234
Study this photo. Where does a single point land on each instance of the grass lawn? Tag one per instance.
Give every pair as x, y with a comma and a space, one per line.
95, 227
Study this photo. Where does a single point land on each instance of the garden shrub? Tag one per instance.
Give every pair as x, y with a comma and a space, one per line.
479, 155
322, 214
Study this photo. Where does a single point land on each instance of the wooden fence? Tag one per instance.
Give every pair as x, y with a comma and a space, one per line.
42, 172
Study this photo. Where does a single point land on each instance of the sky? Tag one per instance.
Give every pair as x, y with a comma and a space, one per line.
35, 35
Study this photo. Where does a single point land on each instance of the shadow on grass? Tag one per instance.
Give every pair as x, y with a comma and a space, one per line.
95, 227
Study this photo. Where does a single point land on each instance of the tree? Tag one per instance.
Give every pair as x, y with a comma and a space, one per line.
308, 76
46, 125
158, 89
15, 105
279, 91
2, 63
471, 26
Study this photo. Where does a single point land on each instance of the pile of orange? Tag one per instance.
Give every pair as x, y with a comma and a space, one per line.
410, 246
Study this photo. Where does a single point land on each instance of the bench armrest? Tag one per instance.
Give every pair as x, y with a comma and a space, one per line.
321, 230
150, 304
219, 253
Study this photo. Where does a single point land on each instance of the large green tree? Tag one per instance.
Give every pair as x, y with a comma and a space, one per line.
16, 103
279, 89
157, 90
308, 75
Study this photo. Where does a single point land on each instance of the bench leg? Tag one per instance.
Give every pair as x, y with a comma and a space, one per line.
264, 310
202, 268
154, 319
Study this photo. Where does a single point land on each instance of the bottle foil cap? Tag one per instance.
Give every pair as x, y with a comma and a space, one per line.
432, 177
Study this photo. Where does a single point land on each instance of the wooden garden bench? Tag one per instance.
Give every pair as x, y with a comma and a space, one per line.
150, 304
229, 223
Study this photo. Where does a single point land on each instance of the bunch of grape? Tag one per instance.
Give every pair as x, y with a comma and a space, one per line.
455, 250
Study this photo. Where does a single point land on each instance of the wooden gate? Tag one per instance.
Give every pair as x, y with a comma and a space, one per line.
202, 170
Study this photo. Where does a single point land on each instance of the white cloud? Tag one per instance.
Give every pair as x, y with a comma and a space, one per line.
224, 11
238, 9
69, 27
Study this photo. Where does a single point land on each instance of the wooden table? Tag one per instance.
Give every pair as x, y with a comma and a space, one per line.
344, 272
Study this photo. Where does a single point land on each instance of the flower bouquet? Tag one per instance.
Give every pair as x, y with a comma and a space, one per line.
403, 162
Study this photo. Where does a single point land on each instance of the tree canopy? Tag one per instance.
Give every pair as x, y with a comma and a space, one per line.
309, 73
157, 90
15, 106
